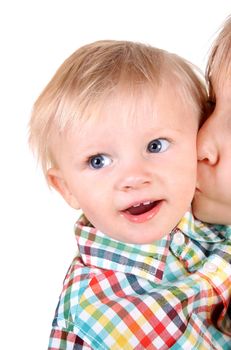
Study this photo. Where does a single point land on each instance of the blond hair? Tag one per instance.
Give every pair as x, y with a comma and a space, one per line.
95, 71
220, 57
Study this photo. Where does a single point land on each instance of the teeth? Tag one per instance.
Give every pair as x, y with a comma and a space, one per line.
144, 203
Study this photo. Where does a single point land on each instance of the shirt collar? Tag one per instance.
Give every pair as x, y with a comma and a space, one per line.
203, 232
148, 260
100, 250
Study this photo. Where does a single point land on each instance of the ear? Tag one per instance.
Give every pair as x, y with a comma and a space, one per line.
57, 181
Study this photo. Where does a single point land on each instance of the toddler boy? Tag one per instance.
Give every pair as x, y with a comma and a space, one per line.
115, 130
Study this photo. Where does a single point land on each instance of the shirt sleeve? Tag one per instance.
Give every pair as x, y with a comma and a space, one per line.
64, 340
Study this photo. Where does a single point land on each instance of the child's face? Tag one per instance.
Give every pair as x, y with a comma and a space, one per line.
212, 201
132, 175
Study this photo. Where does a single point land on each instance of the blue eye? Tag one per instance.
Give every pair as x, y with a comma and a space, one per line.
158, 146
99, 161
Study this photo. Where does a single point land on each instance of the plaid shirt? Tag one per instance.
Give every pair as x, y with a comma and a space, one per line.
172, 294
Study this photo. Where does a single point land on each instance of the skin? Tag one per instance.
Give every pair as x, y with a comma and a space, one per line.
212, 202
123, 137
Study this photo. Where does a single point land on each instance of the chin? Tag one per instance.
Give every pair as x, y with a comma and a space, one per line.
211, 213
201, 212
205, 218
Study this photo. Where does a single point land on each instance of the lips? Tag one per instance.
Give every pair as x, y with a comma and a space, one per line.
142, 211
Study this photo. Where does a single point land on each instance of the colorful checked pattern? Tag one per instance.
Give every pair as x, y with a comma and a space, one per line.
173, 294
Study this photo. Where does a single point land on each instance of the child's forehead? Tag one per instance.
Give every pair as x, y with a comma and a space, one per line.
130, 103
161, 105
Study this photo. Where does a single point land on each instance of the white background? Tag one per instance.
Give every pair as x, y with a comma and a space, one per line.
37, 240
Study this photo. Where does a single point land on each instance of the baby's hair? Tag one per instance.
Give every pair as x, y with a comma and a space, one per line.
220, 57
96, 71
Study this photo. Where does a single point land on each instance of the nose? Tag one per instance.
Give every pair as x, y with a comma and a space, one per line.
207, 149
133, 178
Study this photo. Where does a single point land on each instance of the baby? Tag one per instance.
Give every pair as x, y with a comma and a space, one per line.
115, 131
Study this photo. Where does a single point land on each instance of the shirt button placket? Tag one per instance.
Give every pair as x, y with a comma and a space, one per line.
210, 267
179, 239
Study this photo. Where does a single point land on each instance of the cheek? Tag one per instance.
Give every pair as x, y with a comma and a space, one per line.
223, 186
181, 185
184, 167
185, 173
90, 193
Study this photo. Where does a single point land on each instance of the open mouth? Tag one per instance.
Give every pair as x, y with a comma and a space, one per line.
142, 212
